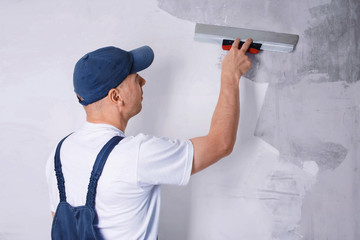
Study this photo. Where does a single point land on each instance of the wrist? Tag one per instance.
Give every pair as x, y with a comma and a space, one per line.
230, 77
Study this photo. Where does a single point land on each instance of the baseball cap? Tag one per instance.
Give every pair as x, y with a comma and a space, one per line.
103, 69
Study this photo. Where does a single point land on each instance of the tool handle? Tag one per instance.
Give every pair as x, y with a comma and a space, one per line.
254, 47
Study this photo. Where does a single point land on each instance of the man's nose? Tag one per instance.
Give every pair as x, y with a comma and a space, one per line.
143, 81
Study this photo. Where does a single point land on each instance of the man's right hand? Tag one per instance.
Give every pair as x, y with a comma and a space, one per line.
236, 63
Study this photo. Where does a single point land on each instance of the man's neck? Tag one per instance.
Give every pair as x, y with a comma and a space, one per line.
120, 123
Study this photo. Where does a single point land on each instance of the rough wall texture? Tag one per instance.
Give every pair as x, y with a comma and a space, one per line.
311, 110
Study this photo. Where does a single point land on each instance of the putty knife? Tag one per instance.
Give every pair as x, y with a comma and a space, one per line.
263, 40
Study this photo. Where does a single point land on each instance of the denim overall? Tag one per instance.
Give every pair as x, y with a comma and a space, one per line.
79, 223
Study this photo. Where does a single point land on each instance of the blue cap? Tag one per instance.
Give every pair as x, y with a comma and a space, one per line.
101, 70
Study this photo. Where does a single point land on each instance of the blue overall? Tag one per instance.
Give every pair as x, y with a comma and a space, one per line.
79, 223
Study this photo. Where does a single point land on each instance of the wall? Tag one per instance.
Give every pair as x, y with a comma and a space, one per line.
293, 173
311, 108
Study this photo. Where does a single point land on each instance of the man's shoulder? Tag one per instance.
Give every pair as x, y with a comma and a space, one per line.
152, 139
150, 143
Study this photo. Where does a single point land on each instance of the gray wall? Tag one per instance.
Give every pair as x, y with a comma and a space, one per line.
293, 173
311, 109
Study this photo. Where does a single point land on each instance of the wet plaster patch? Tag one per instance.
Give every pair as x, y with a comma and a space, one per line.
327, 155
334, 42
240, 13
310, 121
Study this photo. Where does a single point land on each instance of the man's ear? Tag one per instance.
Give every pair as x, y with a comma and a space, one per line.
115, 96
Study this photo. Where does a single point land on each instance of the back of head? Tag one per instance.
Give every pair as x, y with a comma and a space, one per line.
97, 72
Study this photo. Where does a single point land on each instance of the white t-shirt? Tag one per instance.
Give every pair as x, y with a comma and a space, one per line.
128, 193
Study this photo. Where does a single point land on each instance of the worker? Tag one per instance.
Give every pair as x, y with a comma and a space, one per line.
127, 203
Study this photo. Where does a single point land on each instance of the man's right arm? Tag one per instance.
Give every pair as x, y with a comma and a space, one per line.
220, 140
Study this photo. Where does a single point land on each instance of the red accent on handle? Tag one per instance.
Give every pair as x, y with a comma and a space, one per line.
226, 47
253, 50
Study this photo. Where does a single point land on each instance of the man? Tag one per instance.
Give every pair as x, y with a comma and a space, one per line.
107, 83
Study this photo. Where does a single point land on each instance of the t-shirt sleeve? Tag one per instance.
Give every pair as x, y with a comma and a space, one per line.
164, 161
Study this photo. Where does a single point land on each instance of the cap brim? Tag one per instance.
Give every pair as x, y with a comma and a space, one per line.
143, 57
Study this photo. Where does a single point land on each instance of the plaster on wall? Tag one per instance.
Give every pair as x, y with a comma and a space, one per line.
311, 107
333, 40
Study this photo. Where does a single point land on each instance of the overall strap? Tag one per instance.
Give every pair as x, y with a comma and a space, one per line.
97, 169
59, 174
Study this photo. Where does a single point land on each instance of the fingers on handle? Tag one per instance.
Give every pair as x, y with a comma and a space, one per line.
246, 45
236, 43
